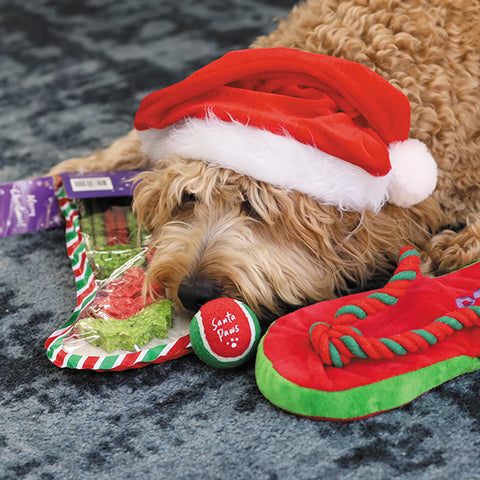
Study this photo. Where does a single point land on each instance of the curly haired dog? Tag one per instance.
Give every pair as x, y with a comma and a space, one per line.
220, 233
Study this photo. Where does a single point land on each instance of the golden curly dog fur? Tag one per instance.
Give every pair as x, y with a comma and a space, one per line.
217, 232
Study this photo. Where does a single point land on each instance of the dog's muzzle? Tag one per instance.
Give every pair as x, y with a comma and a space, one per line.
193, 292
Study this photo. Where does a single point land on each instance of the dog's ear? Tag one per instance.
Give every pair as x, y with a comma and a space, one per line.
175, 185
152, 200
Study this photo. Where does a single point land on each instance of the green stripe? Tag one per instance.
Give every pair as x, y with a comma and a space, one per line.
358, 401
82, 282
451, 322
394, 346
335, 356
408, 253
108, 362
405, 275
56, 344
60, 193
429, 337
69, 208
72, 362
153, 353
76, 255
385, 298
50, 351
353, 346
70, 236
353, 309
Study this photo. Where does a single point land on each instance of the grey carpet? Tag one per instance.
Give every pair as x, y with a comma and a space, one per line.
72, 74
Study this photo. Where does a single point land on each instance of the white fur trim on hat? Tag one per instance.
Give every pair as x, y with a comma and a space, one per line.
283, 161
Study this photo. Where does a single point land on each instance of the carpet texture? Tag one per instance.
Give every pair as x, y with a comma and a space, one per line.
72, 74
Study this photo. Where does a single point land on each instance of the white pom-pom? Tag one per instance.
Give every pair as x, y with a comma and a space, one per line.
414, 173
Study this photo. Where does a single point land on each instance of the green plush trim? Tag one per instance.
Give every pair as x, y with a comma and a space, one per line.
359, 401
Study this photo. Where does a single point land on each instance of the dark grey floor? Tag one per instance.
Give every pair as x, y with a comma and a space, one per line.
72, 74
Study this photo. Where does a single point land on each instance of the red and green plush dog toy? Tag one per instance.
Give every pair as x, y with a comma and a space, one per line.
359, 355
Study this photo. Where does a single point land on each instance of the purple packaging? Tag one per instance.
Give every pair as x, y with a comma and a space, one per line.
29, 205
99, 184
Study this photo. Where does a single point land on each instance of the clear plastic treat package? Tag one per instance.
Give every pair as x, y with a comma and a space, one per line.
117, 323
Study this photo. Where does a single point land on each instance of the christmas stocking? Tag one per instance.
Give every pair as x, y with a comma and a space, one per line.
363, 354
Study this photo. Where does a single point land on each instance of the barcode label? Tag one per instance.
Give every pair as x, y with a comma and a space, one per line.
91, 184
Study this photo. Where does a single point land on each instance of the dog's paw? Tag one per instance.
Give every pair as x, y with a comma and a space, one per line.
449, 250
79, 165
123, 154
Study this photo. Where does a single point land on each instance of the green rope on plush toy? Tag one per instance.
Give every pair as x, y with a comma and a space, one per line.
407, 270
339, 344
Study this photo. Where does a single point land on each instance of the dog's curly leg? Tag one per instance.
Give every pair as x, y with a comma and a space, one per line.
449, 250
123, 154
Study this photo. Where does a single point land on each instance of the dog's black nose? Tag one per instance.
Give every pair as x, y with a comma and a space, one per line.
193, 292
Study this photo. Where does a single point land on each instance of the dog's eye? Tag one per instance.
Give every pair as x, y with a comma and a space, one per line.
188, 197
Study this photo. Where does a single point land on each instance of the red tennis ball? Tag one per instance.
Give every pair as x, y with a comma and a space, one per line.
224, 333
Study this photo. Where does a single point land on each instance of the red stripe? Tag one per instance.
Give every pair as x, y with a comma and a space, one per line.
63, 201
180, 346
184, 341
69, 220
50, 340
73, 246
80, 270
90, 362
87, 292
130, 358
60, 358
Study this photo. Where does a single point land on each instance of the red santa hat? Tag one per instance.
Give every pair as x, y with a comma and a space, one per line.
321, 125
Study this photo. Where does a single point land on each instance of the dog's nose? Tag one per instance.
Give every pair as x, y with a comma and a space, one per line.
193, 292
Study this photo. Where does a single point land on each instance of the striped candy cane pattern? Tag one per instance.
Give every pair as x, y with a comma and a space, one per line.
86, 291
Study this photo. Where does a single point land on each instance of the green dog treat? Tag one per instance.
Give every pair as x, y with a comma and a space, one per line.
112, 237
130, 334
138, 235
92, 225
108, 259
